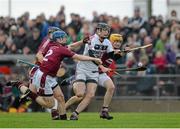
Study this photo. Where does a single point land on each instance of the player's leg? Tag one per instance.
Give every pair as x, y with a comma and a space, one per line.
107, 99
58, 95
54, 111
106, 82
48, 86
109, 85
79, 87
32, 88
90, 93
49, 101
28, 93
79, 90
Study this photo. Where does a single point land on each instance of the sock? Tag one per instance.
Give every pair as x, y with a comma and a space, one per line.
76, 113
54, 114
104, 108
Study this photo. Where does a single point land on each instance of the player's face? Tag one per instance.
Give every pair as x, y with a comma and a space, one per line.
117, 44
50, 36
62, 40
103, 33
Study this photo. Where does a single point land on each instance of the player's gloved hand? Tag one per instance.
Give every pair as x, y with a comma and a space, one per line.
86, 39
127, 49
123, 52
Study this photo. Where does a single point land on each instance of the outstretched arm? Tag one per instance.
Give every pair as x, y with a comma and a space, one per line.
87, 58
116, 54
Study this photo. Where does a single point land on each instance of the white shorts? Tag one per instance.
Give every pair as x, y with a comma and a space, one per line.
44, 83
86, 76
102, 78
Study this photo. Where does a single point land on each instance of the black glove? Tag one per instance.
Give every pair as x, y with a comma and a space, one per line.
86, 39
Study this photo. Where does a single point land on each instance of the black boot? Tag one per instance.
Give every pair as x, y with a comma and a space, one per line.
105, 114
74, 116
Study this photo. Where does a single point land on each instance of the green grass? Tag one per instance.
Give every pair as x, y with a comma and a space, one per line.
91, 120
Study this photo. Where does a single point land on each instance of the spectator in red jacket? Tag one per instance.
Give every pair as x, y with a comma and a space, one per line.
160, 61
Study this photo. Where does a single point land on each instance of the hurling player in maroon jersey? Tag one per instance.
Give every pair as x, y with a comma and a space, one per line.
44, 79
43, 49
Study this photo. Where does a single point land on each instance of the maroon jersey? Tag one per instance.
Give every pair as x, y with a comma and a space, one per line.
44, 47
43, 44
108, 62
52, 60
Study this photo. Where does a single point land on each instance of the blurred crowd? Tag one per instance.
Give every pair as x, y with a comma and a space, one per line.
24, 35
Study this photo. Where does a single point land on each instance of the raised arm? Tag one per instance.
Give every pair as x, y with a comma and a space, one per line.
75, 45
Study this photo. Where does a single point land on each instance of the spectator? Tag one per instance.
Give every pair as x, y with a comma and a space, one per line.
130, 61
72, 36
159, 23
75, 22
175, 37
13, 32
170, 55
115, 27
63, 25
2, 42
61, 14
8, 46
143, 87
85, 31
147, 41
20, 40
173, 19
52, 21
155, 35
160, 62
137, 21
33, 42
95, 17
150, 24
142, 35
161, 43
30, 25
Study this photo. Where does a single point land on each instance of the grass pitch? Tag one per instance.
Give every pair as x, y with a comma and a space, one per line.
91, 120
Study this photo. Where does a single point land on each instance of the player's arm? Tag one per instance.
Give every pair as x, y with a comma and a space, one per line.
116, 54
104, 69
87, 58
39, 57
75, 45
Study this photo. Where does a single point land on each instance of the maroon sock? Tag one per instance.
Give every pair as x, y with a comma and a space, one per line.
54, 114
